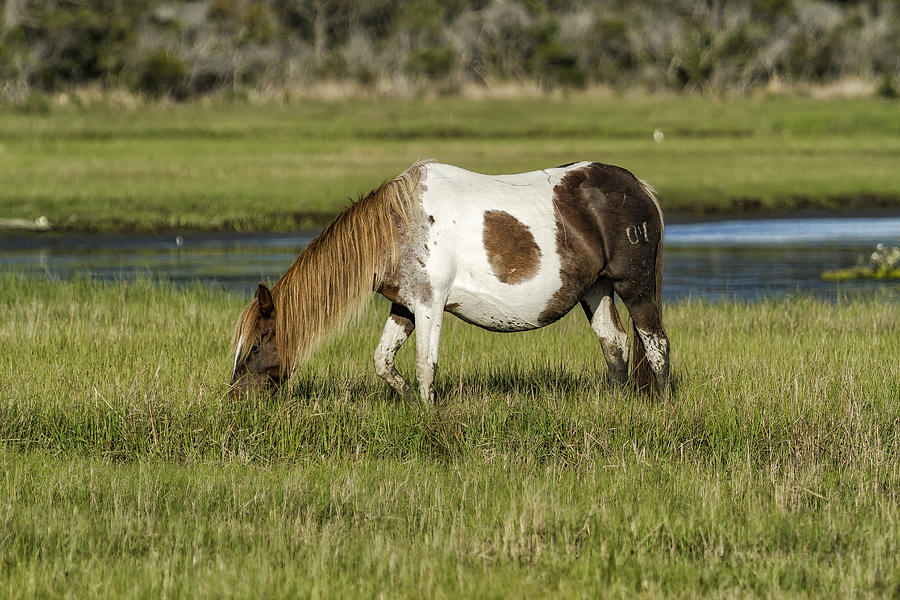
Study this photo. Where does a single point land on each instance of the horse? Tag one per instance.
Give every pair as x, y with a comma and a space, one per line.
504, 252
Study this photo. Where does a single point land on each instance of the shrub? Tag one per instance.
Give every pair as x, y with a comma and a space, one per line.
432, 62
78, 42
162, 74
555, 65
552, 63
886, 87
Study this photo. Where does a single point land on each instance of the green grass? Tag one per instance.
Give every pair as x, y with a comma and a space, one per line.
127, 471
861, 272
242, 166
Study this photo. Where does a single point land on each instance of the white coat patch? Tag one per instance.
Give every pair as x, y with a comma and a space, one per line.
459, 266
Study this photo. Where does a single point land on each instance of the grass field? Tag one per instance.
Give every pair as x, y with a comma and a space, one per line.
126, 470
242, 166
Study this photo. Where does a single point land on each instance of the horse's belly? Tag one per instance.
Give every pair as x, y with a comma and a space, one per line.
497, 313
510, 296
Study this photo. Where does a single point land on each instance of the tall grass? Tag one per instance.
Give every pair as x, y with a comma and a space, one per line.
127, 470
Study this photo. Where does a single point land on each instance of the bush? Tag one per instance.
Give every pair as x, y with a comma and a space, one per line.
685, 45
75, 43
433, 62
886, 87
610, 56
552, 63
162, 74
555, 65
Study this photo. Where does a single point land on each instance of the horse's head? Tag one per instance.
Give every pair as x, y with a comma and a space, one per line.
257, 364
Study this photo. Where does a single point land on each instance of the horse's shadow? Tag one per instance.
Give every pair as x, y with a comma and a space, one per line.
536, 381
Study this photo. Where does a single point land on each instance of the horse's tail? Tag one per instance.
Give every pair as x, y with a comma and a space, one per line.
641, 374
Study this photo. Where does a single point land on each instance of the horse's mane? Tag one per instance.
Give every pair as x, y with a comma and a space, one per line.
329, 281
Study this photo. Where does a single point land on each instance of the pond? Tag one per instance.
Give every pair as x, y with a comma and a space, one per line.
743, 259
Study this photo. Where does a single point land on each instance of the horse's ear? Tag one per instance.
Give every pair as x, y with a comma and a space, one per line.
264, 299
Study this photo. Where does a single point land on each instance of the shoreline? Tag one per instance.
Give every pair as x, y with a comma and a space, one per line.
312, 223
74, 238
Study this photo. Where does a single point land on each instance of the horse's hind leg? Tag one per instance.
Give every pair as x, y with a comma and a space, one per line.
397, 329
600, 308
656, 349
646, 315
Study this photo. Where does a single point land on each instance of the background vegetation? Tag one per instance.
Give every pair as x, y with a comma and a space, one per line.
128, 471
182, 49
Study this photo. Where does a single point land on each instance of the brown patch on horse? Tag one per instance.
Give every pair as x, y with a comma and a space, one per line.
390, 290
513, 254
403, 317
607, 225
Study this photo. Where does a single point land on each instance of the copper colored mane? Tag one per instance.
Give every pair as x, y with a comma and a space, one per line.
337, 272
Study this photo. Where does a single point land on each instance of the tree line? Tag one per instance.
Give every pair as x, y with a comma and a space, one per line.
187, 48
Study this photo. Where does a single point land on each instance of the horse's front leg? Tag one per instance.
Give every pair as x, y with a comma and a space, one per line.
397, 329
428, 338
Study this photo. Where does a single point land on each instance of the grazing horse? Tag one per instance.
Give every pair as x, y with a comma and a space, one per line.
504, 252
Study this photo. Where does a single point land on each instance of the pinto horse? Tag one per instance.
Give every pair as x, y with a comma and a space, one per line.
504, 252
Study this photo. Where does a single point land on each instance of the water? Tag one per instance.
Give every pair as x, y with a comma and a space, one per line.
230, 261
760, 258
717, 260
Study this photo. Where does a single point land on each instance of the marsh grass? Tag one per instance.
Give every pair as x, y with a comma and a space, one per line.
279, 167
127, 470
